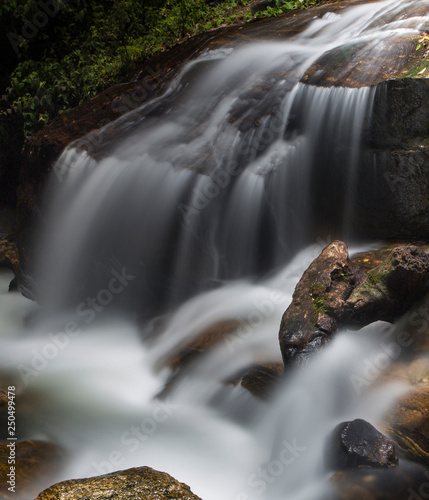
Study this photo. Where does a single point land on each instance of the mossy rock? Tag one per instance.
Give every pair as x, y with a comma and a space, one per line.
136, 483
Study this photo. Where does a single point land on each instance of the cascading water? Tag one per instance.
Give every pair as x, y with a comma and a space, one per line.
220, 179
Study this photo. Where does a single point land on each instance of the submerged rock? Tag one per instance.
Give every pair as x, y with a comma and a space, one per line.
358, 443
335, 292
407, 481
139, 482
261, 380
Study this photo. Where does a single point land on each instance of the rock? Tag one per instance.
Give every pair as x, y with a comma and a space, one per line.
392, 181
261, 380
9, 254
204, 341
335, 292
408, 424
356, 65
407, 481
185, 354
358, 443
37, 464
400, 114
389, 289
323, 286
140, 482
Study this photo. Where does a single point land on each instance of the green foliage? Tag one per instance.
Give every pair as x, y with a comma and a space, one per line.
283, 6
87, 45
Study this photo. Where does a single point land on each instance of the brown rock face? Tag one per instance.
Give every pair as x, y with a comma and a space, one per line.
408, 424
140, 482
358, 443
335, 292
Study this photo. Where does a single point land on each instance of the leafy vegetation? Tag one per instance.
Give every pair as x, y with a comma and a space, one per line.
59, 53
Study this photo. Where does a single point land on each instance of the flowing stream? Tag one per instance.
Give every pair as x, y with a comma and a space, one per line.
206, 207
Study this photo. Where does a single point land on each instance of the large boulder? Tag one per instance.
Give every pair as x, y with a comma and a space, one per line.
140, 482
335, 292
323, 288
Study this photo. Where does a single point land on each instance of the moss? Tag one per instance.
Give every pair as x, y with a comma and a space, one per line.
418, 71
319, 304
340, 274
374, 279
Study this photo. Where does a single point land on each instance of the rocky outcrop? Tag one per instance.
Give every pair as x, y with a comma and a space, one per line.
358, 443
323, 288
140, 482
392, 181
335, 292
36, 464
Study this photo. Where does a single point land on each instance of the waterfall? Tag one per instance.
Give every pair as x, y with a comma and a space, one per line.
204, 206
235, 168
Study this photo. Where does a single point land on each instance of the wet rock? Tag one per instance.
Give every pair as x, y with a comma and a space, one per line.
408, 424
389, 289
335, 292
261, 380
9, 254
358, 443
407, 481
392, 181
372, 258
184, 355
400, 113
36, 465
140, 482
324, 287
203, 342
358, 65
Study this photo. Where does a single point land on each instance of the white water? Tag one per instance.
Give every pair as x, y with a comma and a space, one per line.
245, 206
228, 174
95, 396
